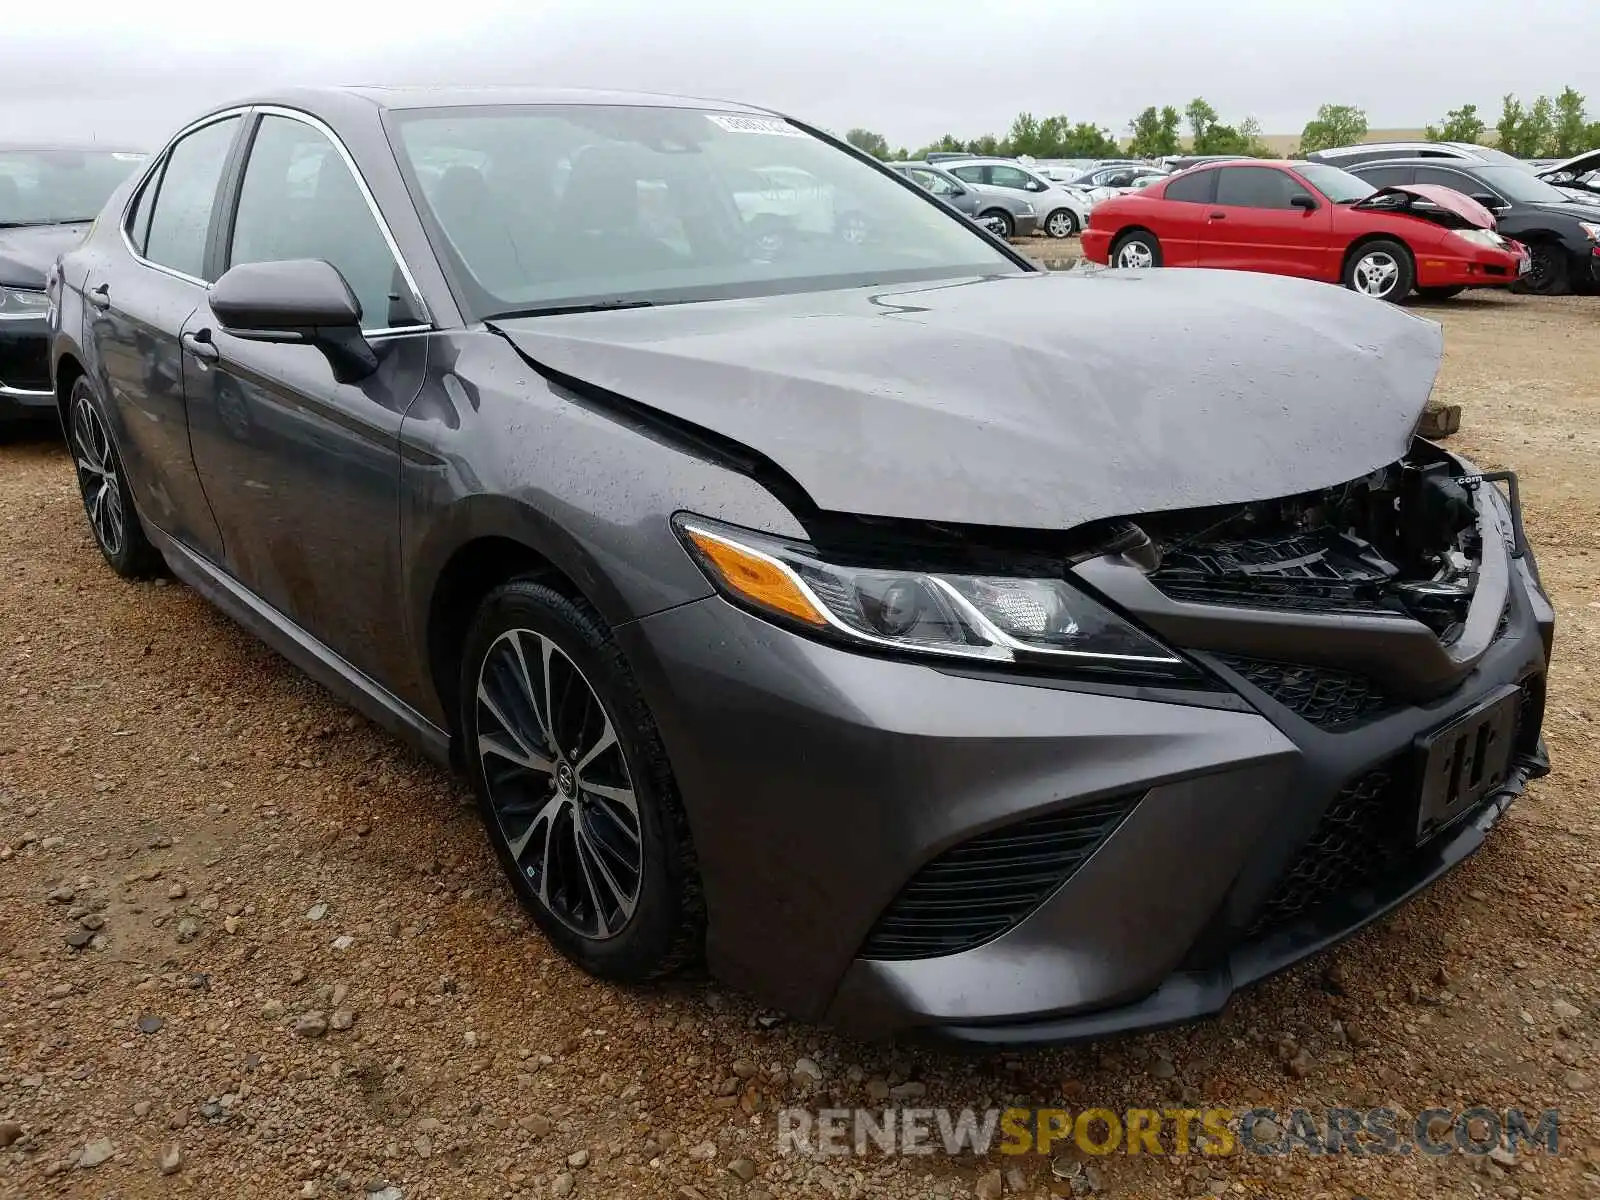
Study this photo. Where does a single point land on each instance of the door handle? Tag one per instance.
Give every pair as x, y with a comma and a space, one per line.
1219, 216
100, 297
201, 346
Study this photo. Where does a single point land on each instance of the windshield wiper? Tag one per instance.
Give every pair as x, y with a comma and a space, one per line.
47, 221
556, 310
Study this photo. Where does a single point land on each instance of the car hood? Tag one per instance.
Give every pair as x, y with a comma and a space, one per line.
27, 252
1034, 401
1578, 165
1440, 205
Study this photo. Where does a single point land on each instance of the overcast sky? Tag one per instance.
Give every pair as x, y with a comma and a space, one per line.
910, 69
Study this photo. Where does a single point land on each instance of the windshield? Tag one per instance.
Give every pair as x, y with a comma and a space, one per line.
1514, 183
54, 187
553, 206
1339, 186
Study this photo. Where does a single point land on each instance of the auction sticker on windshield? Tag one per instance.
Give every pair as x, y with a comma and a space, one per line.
765, 125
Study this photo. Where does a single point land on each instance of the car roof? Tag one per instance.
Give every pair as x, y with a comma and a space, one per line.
401, 97
1424, 160
9, 145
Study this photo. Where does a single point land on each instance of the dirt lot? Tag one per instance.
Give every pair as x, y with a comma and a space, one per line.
201, 853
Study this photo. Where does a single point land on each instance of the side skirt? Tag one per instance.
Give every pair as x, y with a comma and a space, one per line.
362, 693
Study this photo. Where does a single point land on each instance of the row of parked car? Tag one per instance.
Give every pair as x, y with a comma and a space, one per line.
1390, 220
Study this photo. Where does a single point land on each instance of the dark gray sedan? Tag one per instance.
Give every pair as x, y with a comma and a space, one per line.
929, 640
1002, 210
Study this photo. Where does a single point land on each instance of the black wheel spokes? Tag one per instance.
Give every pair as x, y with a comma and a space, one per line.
97, 476
558, 784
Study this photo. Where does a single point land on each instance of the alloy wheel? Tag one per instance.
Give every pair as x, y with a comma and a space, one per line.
97, 477
559, 785
1376, 274
1060, 224
1135, 255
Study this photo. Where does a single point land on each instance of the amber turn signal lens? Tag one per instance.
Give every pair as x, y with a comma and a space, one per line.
755, 577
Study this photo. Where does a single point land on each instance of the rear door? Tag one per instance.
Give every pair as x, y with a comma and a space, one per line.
302, 470
137, 304
1252, 225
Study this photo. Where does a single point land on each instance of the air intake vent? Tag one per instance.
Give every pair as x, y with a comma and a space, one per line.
976, 891
1328, 698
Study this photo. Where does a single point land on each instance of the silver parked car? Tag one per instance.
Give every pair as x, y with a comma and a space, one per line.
1065, 209
1005, 211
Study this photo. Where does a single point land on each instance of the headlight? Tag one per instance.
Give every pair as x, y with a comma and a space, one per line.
1590, 230
1481, 237
1004, 619
18, 303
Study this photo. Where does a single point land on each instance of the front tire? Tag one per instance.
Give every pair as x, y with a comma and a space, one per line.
103, 486
1549, 273
1000, 221
574, 786
1062, 223
1136, 251
1382, 269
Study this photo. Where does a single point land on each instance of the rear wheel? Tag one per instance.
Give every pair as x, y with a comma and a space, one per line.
1136, 250
1062, 223
1381, 269
1000, 221
574, 787
1548, 271
103, 485
1438, 293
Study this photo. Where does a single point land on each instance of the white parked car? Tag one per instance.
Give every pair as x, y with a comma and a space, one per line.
1063, 211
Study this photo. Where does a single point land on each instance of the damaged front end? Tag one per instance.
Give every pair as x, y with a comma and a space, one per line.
1403, 540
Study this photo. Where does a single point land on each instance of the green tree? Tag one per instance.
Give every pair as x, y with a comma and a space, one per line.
1537, 137
1202, 120
1334, 125
874, 144
1155, 132
1053, 137
1509, 127
1086, 140
1023, 137
1570, 124
1459, 125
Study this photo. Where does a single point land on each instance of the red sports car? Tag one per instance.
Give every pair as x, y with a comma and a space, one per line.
1311, 220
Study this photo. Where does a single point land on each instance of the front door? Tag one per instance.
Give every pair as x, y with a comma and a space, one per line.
1253, 225
302, 470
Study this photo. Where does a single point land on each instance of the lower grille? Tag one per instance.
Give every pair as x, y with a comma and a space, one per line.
976, 891
1327, 698
25, 361
1358, 838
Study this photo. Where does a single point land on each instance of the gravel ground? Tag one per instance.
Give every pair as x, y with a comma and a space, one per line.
251, 946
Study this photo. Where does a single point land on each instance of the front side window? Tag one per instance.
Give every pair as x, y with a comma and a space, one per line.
547, 206
1454, 180
1009, 177
184, 198
1340, 186
1256, 187
58, 187
934, 182
298, 199
969, 174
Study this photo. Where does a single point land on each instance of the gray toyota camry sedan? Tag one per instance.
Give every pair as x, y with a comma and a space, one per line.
930, 642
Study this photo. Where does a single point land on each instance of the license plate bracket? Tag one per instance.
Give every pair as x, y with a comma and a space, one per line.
1465, 761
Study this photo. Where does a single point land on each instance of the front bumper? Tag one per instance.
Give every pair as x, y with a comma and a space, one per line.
1096, 245
25, 368
1482, 266
1025, 226
820, 784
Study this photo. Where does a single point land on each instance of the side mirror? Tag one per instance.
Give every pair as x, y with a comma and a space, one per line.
1035, 186
297, 302
1301, 200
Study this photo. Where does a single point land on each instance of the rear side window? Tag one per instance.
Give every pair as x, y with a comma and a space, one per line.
1386, 176
182, 214
1255, 187
1454, 180
139, 218
299, 200
1197, 188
